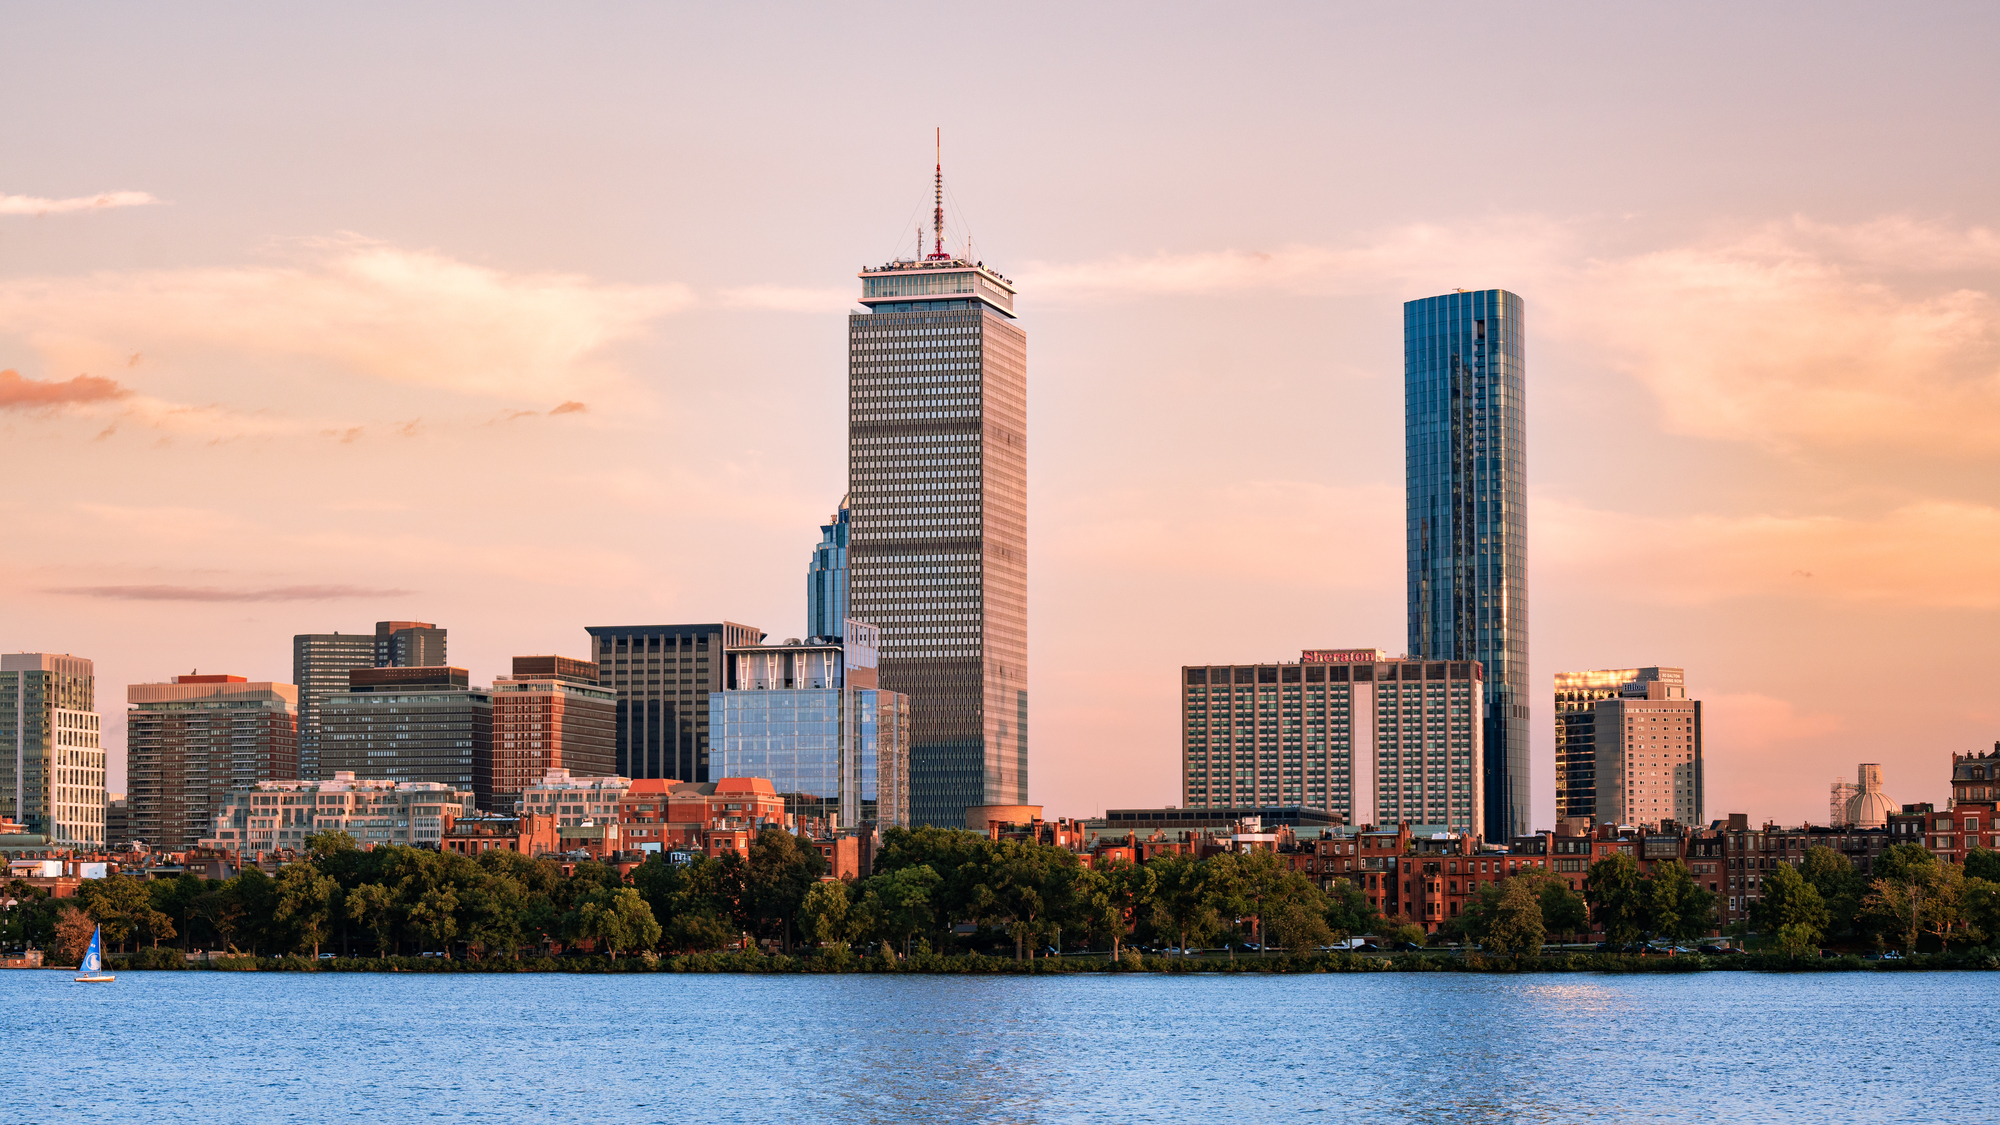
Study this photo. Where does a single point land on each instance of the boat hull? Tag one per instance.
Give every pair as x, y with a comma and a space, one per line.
96, 978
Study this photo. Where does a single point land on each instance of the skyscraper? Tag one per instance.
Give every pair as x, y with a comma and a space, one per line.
320, 664
408, 644
938, 539
1628, 746
189, 742
826, 579
424, 723
1464, 453
51, 766
661, 675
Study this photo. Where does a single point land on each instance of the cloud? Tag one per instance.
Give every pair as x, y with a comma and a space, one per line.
1930, 553
218, 594
571, 407
17, 393
353, 306
35, 205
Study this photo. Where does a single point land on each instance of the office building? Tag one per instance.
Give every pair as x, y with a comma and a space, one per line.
189, 742
826, 579
1351, 732
550, 714
938, 547
277, 816
809, 718
1464, 450
1577, 695
51, 765
423, 724
321, 661
660, 676
1628, 747
408, 644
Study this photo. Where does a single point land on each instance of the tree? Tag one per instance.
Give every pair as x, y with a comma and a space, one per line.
1183, 901
333, 842
370, 904
1982, 863
1127, 891
1839, 885
117, 904
618, 919
823, 914
73, 930
1349, 911
778, 872
1897, 900
1617, 901
1789, 901
306, 902
1676, 906
687, 900
1299, 923
1517, 925
434, 916
1563, 911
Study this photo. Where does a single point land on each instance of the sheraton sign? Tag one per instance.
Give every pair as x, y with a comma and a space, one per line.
1340, 656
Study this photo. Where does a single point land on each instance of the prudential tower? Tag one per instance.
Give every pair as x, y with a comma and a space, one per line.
938, 543
1465, 466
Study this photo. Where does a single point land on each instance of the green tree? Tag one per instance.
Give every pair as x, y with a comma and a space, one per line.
1676, 906
778, 872
179, 898
1127, 894
1617, 901
823, 914
1898, 898
333, 842
1183, 901
1563, 910
1517, 925
619, 920
371, 905
117, 903
1983, 863
688, 901
1298, 923
306, 902
434, 918
1788, 900
1349, 911
1839, 885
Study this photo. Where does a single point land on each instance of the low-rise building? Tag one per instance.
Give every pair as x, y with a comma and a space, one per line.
277, 816
482, 832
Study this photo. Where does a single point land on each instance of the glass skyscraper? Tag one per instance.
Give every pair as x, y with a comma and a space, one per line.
810, 719
1464, 451
938, 543
826, 579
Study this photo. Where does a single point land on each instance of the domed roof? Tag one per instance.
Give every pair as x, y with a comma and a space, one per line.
1869, 808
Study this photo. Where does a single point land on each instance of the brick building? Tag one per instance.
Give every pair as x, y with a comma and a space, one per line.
191, 741
550, 714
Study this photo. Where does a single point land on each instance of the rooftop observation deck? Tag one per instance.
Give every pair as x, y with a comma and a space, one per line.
906, 279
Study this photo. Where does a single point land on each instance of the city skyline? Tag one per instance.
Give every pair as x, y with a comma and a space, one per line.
305, 376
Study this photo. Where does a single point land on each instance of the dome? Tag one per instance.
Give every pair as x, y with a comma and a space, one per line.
1869, 808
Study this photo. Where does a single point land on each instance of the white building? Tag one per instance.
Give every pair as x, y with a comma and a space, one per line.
51, 766
278, 815
575, 800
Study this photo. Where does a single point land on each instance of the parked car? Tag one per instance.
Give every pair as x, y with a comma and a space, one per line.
1713, 950
1404, 947
1368, 947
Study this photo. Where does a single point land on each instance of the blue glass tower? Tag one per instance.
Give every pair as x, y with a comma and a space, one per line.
826, 579
1464, 437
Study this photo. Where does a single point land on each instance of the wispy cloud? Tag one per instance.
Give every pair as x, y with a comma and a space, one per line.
219, 594
571, 407
18, 393
36, 205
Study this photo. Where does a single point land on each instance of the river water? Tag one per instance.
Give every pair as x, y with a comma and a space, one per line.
216, 1047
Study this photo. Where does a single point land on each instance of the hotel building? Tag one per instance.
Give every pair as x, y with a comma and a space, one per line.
1371, 738
51, 765
1628, 747
1464, 450
938, 538
189, 742
810, 718
660, 677
551, 714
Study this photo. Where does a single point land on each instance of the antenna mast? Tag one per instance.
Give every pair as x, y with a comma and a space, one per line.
937, 219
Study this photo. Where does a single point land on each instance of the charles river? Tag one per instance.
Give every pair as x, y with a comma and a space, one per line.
1722, 1047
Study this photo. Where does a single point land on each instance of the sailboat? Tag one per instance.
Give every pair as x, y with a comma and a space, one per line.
92, 969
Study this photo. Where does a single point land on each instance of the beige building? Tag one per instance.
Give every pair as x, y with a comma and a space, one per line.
189, 742
274, 816
1628, 747
51, 764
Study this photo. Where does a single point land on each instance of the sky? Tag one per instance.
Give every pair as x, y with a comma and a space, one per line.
520, 319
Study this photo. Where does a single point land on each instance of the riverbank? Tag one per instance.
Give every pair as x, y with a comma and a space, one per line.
1131, 962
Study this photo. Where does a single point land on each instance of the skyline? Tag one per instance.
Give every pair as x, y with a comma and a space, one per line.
502, 368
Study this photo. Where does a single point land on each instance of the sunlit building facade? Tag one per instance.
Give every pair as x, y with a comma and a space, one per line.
189, 742
1628, 747
51, 762
661, 676
938, 540
550, 714
1465, 464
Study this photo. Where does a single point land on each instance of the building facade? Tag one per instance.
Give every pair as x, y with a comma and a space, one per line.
418, 724
189, 742
1373, 739
660, 677
811, 719
1465, 464
277, 816
938, 538
826, 578
320, 664
550, 714
408, 644
51, 762
1591, 716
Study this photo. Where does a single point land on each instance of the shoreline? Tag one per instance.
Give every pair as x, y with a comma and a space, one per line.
1974, 959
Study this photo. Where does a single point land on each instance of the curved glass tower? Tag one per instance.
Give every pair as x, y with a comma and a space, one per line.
1464, 452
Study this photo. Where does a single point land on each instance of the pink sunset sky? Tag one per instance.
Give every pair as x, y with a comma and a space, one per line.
525, 318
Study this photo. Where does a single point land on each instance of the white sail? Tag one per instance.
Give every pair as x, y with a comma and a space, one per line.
93, 960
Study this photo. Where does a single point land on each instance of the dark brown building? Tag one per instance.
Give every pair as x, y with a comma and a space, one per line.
409, 724
550, 714
191, 741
